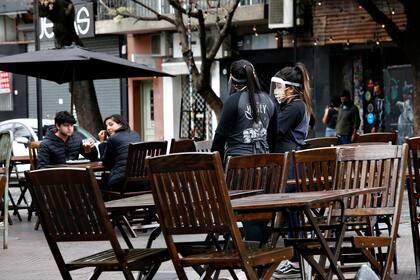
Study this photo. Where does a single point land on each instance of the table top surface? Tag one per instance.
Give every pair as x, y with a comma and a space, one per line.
94, 165
268, 202
146, 200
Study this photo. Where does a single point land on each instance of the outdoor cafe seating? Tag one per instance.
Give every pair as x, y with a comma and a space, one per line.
191, 197
365, 180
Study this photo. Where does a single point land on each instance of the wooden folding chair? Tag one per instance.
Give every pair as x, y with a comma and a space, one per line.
191, 197
182, 146
136, 175
6, 141
203, 146
371, 167
136, 170
71, 209
33, 154
377, 137
414, 196
315, 168
267, 172
321, 142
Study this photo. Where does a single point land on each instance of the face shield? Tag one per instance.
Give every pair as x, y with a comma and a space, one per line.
278, 88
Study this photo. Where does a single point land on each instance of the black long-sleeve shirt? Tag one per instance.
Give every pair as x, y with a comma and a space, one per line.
238, 130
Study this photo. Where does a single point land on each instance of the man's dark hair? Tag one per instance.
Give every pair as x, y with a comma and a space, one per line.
345, 93
64, 117
119, 120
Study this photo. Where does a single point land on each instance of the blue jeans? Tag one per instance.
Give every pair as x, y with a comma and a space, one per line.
344, 139
329, 132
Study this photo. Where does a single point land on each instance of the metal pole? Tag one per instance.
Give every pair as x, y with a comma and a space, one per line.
38, 81
294, 32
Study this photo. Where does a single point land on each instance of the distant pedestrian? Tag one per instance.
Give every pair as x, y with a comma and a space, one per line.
379, 108
330, 116
348, 119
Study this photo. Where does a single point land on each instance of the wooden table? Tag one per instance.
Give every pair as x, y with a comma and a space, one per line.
305, 202
119, 207
96, 166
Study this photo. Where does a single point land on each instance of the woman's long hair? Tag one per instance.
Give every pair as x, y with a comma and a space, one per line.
298, 74
119, 120
242, 75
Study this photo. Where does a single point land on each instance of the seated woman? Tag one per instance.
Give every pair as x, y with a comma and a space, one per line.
114, 149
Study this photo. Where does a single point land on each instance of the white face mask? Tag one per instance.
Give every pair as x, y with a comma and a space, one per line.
280, 94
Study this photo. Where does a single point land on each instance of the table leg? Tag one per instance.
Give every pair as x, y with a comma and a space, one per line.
116, 221
332, 256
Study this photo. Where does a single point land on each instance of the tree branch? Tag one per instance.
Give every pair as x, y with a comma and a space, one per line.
178, 7
158, 16
224, 32
202, 34
378, 16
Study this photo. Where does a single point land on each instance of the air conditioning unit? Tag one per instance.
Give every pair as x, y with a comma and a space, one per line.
280, 13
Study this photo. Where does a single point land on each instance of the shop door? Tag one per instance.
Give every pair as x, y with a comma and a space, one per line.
147, 113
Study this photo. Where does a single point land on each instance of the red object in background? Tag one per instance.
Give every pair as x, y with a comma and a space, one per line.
5, 82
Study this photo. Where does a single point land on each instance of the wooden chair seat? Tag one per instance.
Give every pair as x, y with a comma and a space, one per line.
108, 261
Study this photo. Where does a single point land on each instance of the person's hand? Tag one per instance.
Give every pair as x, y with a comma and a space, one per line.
88, 144
353, 137
102, 135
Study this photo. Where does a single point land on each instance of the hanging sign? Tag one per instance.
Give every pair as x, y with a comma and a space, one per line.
5, 83
83, 23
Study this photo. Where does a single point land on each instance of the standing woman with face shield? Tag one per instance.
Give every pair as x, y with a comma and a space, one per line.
248, 117
291, 88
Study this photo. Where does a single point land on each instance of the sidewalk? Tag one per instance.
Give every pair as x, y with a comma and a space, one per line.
29, 257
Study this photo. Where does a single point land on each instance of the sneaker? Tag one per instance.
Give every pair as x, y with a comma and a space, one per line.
287, 271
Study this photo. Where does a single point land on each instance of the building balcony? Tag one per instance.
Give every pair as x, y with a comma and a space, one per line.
250, 11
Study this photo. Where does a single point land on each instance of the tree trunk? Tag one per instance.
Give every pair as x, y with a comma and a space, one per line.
82, 92
86, 103
204, 89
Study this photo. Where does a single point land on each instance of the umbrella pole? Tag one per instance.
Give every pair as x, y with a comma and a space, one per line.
38, 81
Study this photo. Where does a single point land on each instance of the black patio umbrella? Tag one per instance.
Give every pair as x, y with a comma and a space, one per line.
74, 64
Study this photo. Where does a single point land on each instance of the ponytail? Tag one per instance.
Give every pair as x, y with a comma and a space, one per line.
253, 88
243, 75
306, 87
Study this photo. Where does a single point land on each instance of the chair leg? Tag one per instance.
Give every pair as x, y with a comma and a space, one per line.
268, 272
150, 274
208, 274
37, 224
128, 274
96, 273
128, 225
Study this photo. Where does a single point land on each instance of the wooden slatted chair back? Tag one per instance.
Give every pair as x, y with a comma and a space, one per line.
136, 170
315, 168
369, 167
377, 137
203, 146
70, 205
321, 142
182, 146
70, 208
33, 154
259, 171
414, 195
191, 197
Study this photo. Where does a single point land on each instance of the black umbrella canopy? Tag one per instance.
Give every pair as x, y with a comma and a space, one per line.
74, 64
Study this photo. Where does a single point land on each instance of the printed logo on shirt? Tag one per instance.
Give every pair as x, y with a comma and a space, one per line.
256, 133
261, 109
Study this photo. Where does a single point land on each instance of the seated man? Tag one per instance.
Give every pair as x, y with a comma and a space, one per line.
61, 145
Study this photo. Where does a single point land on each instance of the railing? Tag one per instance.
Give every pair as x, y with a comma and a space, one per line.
162, 6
